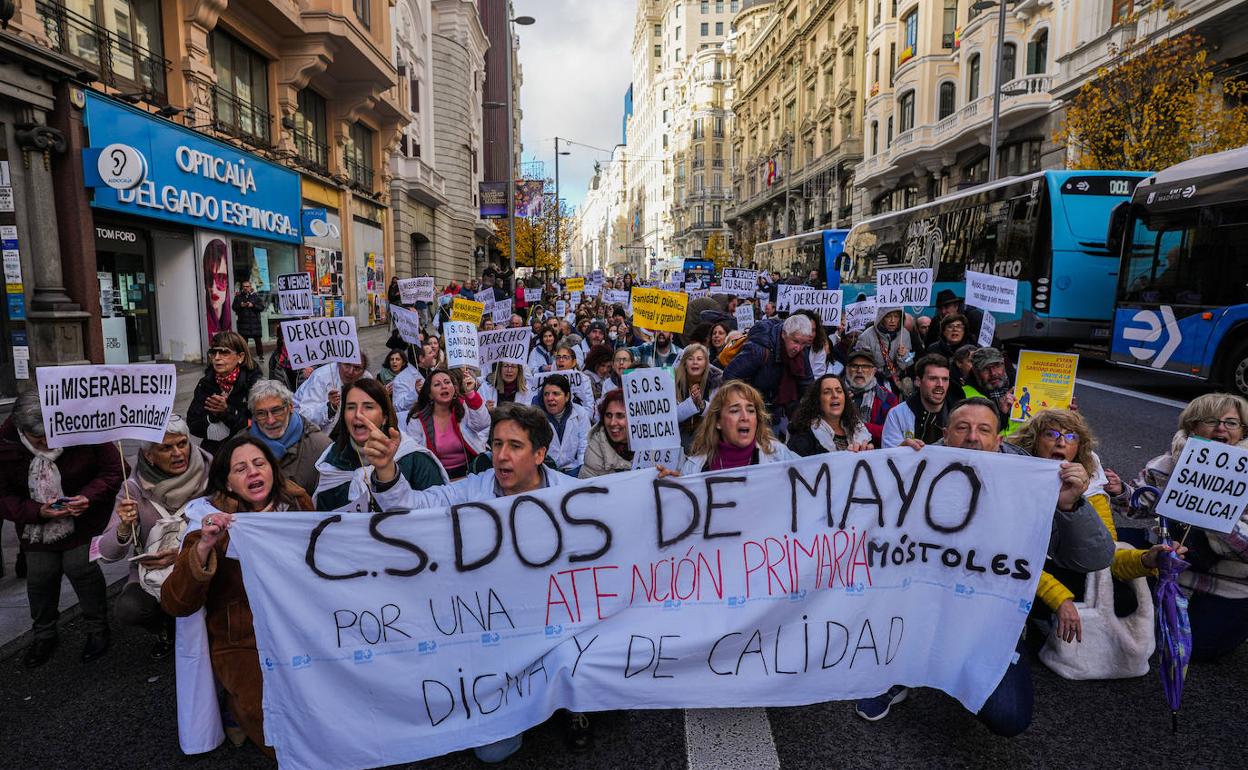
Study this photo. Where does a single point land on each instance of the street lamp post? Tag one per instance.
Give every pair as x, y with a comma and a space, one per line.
558, 208
511, 142
995, 134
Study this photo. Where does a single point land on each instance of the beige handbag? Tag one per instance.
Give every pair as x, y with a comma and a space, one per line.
1112, 647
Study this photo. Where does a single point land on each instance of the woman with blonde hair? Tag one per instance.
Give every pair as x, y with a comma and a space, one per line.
735, 432
1060, 434
1217, 582
696, 382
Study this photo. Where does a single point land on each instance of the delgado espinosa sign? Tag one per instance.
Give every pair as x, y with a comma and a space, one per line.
143, 165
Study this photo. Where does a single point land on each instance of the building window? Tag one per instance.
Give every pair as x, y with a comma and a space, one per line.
363, 11
905, 108
1009, 59
875, 67
911, 26
658, 30
949, 24
359, 156
972, 79
948, 100
719, 6
240, 99
732, 6
126, 46
658, 50
1038, 54
706, 7
719, 28
704, 29
875, 137
892, 63
1119, 11
310, 133
888, 133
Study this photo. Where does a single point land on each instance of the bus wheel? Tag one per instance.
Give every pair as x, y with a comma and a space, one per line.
1236, 378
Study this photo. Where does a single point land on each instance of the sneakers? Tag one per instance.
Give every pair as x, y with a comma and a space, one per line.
875, 709
39, 652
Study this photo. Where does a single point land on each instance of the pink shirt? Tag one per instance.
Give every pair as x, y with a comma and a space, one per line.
448, 446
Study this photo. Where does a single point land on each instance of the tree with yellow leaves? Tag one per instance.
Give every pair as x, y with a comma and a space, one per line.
1154, 105
539, 243
715, 252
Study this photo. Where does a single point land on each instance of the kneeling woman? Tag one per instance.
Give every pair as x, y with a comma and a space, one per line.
244, 477
735, 432
344, 478
448, 424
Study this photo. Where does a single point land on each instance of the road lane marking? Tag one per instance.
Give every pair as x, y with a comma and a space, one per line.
1142, 396
730, 739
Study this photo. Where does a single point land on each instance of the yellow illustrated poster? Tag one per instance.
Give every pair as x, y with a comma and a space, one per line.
1043, 381
467, 310
576, 284
659, 310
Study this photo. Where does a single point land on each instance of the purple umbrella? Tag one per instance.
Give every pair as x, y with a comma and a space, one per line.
1174, 629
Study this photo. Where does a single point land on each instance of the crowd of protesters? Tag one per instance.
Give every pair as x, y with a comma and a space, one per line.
415, 433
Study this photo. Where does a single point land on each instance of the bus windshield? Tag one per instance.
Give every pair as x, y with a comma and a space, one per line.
1192, 257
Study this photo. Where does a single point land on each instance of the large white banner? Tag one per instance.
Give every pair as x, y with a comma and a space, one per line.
316, 341
98, 404
393, 637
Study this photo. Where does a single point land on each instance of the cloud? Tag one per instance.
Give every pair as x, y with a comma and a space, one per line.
577, 66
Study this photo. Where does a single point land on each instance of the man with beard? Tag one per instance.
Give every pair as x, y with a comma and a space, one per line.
925, 414
661, 352
992, 381
874, 401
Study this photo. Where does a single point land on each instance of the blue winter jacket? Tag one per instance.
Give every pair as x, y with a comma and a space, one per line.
760, 362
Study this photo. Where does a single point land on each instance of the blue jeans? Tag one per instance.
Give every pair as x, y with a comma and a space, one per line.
1218, 625
1007, 712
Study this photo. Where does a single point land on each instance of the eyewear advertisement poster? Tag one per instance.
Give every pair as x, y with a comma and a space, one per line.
1043, 381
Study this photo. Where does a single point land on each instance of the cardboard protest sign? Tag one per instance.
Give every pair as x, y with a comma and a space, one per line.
532, 295
670, 457
460, 340
659, 310
294, 295
1043, 381
650, 401
987, 330
991, 293
316, 341
466, 310
745, 317
502, 312
738, 282
99, 404
859, 315
575, 284
509, 346
824, 302
413, 290
582, 388
408, 324
616, 296
1208, 487
672, 593
904, 287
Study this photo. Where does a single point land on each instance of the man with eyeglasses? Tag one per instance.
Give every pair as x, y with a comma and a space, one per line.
874, 401
320, 396
296, 443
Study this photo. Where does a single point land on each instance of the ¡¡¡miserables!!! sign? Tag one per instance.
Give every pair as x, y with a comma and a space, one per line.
316, 341
466, 310
397, 636
1209, 486
98, 404
659, 310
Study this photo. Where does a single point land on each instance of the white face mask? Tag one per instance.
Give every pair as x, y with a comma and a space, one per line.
611, 335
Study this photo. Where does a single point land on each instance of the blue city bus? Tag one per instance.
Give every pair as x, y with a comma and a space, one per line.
798, 255
1182, 299
1046, 230
699, 270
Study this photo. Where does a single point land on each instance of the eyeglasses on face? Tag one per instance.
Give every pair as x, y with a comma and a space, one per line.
264, 414
1213, 422
1054, 435
861, 367
214, 352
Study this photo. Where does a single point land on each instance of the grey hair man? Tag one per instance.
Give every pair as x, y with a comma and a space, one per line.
297, 443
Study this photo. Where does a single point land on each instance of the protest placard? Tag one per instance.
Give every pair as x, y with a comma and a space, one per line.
774, 585
1043, 381
593, 289
991, 293
745, 317
561, 308
987, 330
698, 293
408, 324
467, 310
659, 310
316, 341
616, 297
575, 298
460, 340
294, 295
582, 388
678, 277
738, 282
859, 315
97, 404
670, 457
824, 302
1208, 487
783, 291
574, 284
419, 289
503, 345
501, 312
487, 304
532, 296
904, 287
650, 401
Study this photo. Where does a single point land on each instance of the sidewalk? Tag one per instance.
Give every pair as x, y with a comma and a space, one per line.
14, 610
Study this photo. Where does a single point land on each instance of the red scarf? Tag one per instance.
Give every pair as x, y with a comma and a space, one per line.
226, 381
786, 391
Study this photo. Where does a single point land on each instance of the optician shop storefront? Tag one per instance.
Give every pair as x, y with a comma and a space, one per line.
181, 221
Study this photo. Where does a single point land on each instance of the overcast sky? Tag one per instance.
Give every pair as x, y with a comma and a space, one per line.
576, 67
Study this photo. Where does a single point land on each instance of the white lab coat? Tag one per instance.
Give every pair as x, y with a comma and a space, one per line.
312, 397
405, 388
569, 452
475, 487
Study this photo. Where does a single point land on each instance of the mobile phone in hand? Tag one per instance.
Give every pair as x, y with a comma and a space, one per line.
59, 504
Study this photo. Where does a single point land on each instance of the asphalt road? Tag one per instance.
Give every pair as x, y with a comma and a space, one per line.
120, 711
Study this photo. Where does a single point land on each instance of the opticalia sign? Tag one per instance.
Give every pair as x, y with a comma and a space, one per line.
142, 165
